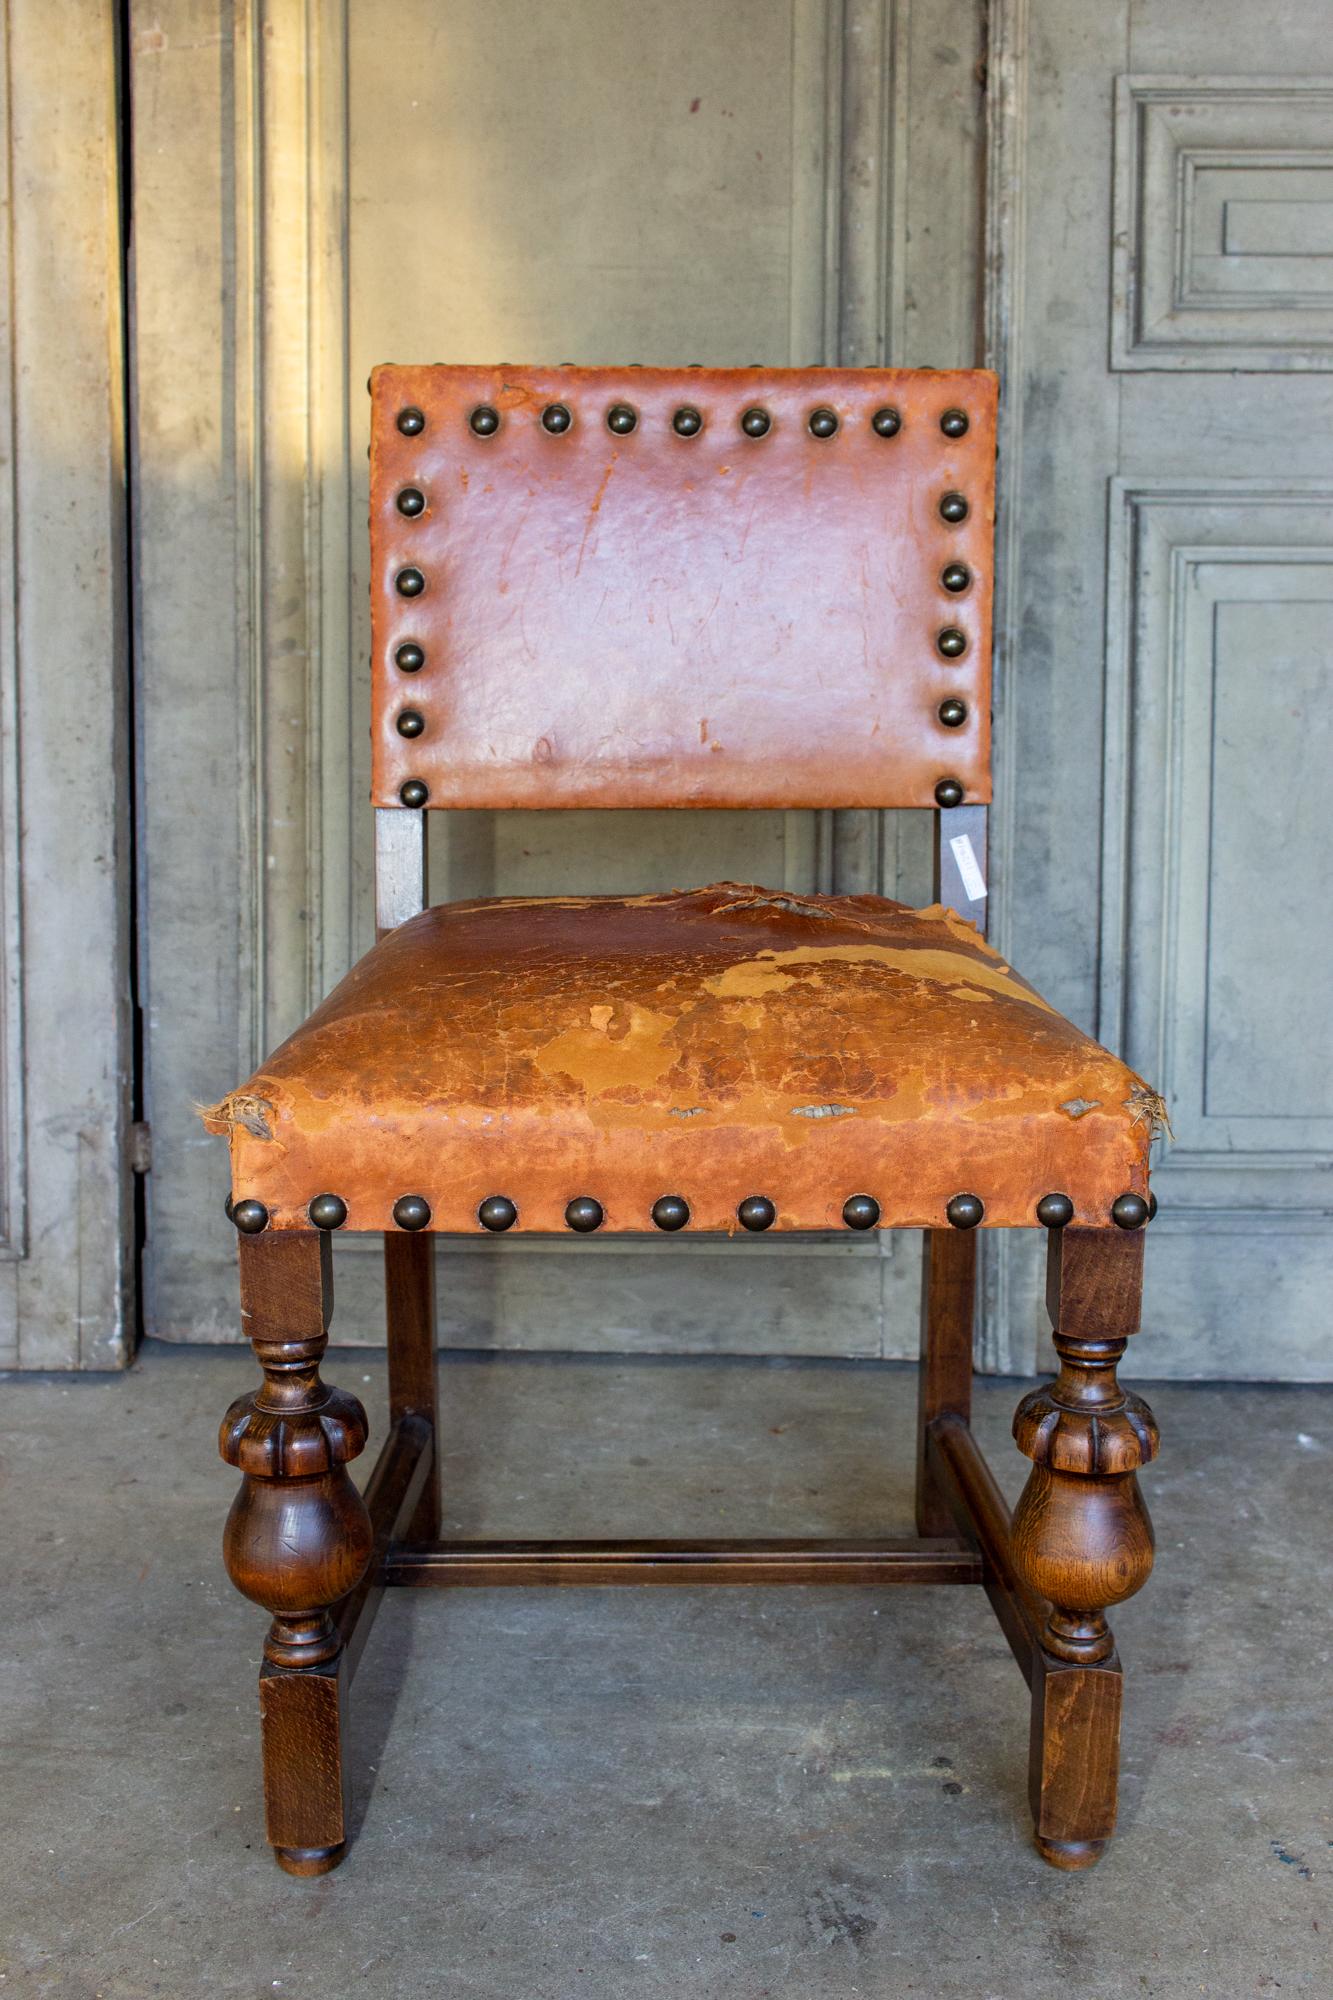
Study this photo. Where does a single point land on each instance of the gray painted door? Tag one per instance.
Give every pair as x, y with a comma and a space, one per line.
321, 187
66, 1186
1162, 313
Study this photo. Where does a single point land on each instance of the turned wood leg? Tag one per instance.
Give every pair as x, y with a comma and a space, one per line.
409, 1285
944, 1383
1081, 1536
297, 1538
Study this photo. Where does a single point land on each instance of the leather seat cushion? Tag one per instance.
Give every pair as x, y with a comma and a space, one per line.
715, 1044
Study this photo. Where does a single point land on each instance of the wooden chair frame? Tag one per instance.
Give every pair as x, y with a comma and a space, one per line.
302, 1543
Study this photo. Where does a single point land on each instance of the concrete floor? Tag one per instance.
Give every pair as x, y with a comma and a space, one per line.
657, 1793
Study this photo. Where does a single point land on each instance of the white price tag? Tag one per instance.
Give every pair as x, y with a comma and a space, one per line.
970, 874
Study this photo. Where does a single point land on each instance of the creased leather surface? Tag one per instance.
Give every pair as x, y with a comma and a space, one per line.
713, 1044
656, 620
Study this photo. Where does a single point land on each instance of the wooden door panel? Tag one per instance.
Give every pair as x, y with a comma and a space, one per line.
66, 1037
1160, 319
778, 180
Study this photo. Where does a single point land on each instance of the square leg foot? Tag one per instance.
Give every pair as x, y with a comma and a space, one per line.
1075, 1754
303, 1717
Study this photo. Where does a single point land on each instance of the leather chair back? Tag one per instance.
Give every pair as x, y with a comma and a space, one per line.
681, 587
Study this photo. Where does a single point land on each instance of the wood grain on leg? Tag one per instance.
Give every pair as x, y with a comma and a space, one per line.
1081, 1536
409, 1283
298, 1537
944, 1385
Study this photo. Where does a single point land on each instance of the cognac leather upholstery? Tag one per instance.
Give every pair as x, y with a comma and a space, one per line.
651, 619
715, 1045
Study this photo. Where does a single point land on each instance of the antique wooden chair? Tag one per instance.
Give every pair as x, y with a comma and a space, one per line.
666, 587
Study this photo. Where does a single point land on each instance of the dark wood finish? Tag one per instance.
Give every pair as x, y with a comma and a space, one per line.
298, 1537
409, 1285
485, 1564
944, 1382
402, 1474
982, 1514
1081, 1537
302, 1543
1094, 1282
303, 1731
1074, 1758
1081, 1534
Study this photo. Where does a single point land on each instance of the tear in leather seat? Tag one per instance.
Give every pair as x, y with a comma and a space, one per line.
715, 1045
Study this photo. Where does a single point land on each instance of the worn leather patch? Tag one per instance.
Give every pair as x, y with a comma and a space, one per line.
715, 1044
651, 619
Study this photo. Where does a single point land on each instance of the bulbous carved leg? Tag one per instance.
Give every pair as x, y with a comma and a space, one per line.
1082, 1538
298, 1537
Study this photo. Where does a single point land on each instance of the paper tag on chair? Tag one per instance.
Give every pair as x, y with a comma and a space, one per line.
969, 873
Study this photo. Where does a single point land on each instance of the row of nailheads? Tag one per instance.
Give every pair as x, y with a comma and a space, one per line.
485, 421
671, 1212
953, 508
622, 418
415, 792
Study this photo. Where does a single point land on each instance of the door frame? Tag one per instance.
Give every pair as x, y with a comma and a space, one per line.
67, 1265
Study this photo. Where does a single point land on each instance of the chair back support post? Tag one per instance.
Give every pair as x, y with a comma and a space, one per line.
682, 587
961, 870
400, 867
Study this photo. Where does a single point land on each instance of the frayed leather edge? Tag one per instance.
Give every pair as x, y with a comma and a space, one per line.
1147, 1106
241, 1109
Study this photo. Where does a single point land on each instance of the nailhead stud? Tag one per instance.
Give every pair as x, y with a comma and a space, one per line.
411, 1211
621, 419
411, 501
413, 792
756, 423
249, 1217
1129, 1211
886, 423
948, 793
411, 422
671, 1212
860, 1211
757, 1212
955, 577
328, 1211
556, 419
1152, 1204
953, 508
410, 659
411, 722
965, 1211
687, 423
484, 421
1055, 1211
953, 713
409, 583
497, 1212
823, 422
584, 1214
954, 423
951, 642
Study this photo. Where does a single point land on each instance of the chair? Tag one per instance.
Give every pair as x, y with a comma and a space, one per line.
653, 587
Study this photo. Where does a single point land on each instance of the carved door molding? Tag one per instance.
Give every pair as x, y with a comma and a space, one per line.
780, 156
1160, 262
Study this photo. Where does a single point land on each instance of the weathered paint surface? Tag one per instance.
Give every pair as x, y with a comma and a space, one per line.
794, 214
65, 1188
